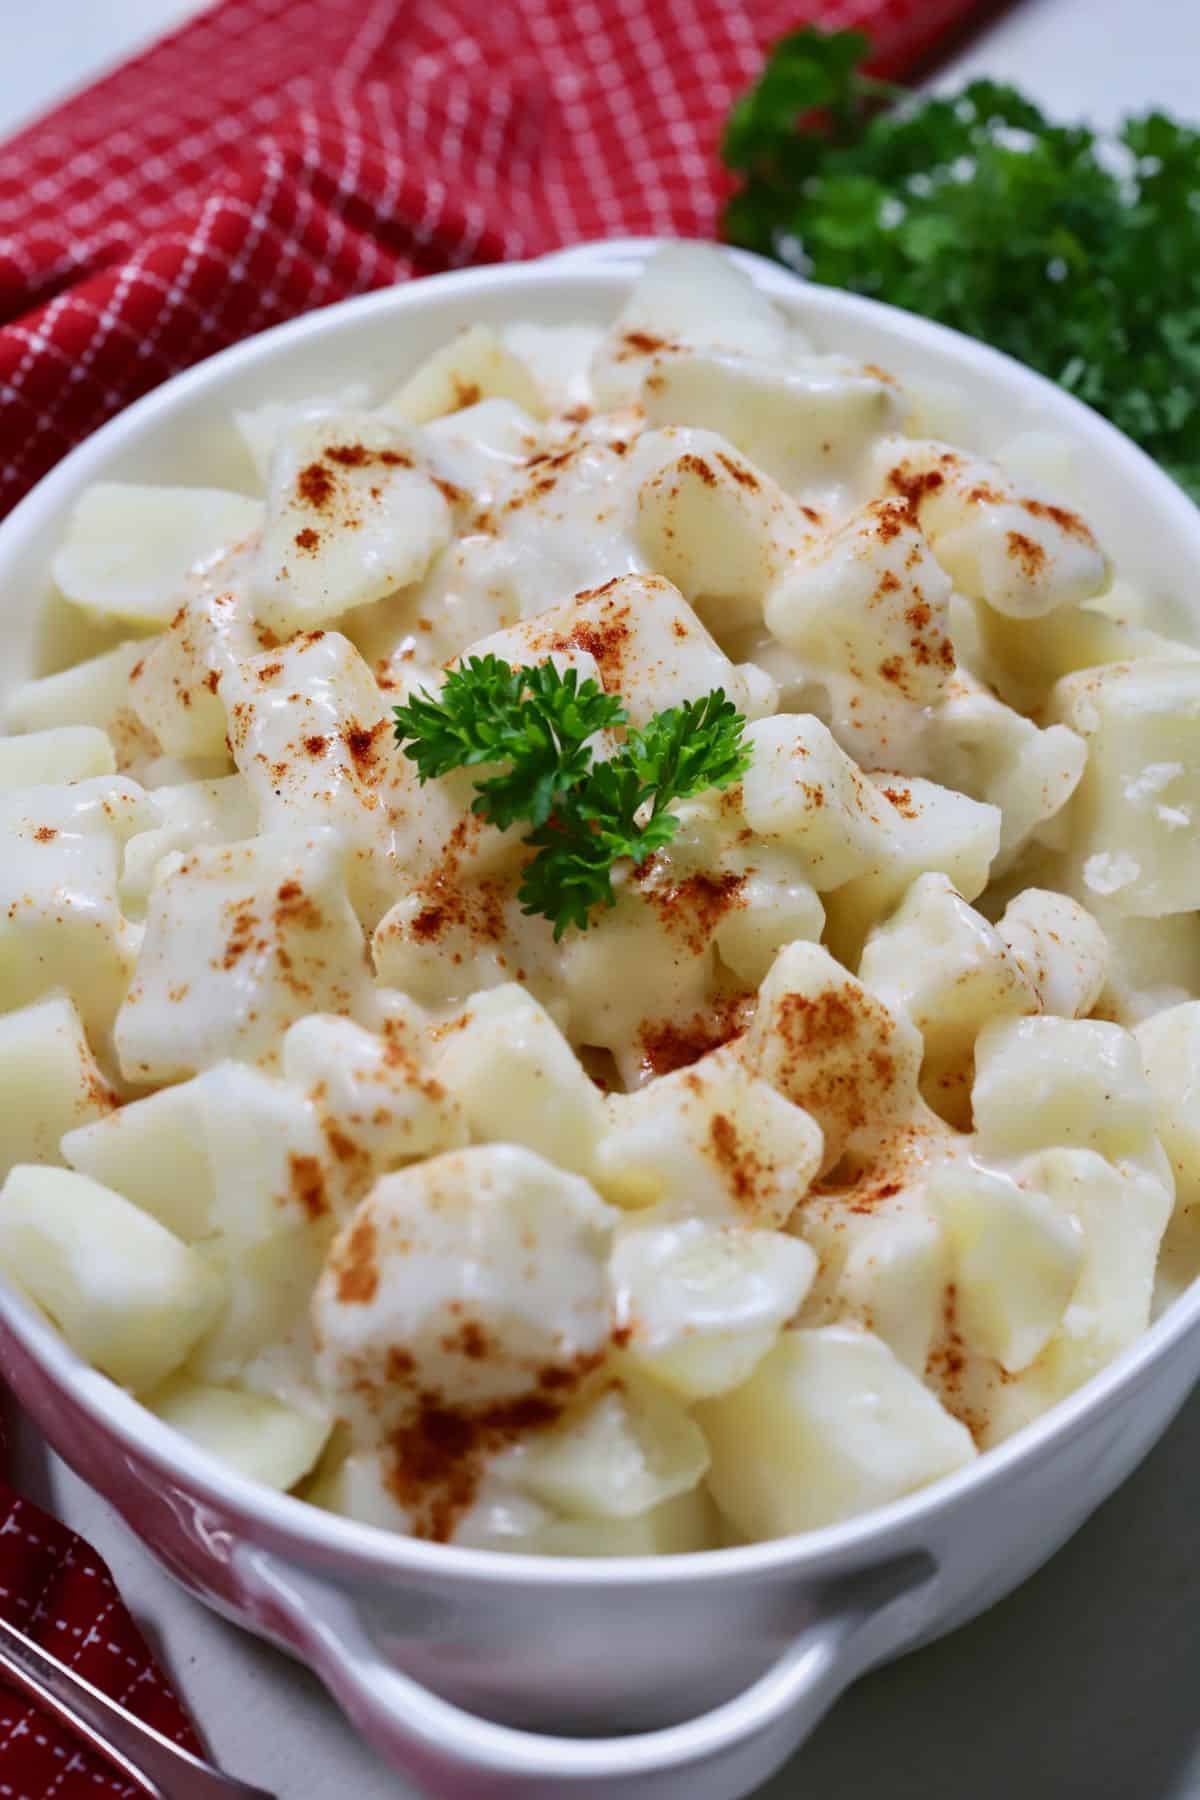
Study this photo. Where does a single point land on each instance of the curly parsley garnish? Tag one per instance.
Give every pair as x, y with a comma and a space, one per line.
532, 728
1078, 255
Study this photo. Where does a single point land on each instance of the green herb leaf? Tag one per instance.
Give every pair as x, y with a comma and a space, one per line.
537, 720
808, 70
534, 726
689, 748
1080, 257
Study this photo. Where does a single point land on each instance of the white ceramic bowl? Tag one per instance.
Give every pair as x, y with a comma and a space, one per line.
457, 1663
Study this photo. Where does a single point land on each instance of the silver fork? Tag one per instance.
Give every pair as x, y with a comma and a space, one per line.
157, 1767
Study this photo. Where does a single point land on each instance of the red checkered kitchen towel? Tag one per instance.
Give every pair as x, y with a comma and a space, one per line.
273, 156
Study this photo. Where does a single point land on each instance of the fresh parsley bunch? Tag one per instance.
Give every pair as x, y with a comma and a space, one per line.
1078, 255
532, 727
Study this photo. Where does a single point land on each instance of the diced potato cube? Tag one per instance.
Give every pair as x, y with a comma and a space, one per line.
776, 904
869, 597
479, 449
231, 1151
125, 1293
468, 594
519, 1081
1135, 817
259, 426
686, 1522
1170, 1047
314, 745
711, 1141
241, 940
1023, 658
91, 693
1153, 964
260, 1170
60, 918
1017, 1258
688, 293
1046, 1081
720, 529
558, 355
357, 1487
1059, 948
502, 1518
829, 1425
286, 1161
478, 1276
991, 753
803, 789
804, 423
833, 1048
268, 1285
661, 936
613, 1457
132, 1149
883, 1265
199, 812
61, 754
930, 828
473, 366
49, 1082
636, 635
945, 965
258, 1436
1123, 1213
941, 963
700, 1304
374, 1093
444, 972
350, 518
129, 548
175, 686
441, 954
1024, 556
545, 546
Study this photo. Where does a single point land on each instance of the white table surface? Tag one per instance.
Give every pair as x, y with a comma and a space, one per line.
1083, 1685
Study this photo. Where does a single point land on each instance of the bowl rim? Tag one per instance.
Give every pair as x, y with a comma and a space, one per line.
321, 1536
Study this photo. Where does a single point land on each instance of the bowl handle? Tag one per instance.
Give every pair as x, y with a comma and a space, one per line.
456, 1755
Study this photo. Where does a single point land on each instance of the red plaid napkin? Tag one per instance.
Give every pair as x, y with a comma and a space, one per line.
57, 1590
273, 156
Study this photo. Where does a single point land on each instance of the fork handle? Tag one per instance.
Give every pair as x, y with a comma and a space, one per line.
158, 1768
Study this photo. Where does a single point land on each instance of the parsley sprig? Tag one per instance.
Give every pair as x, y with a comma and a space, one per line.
535, 727
538, 720
1079, 255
